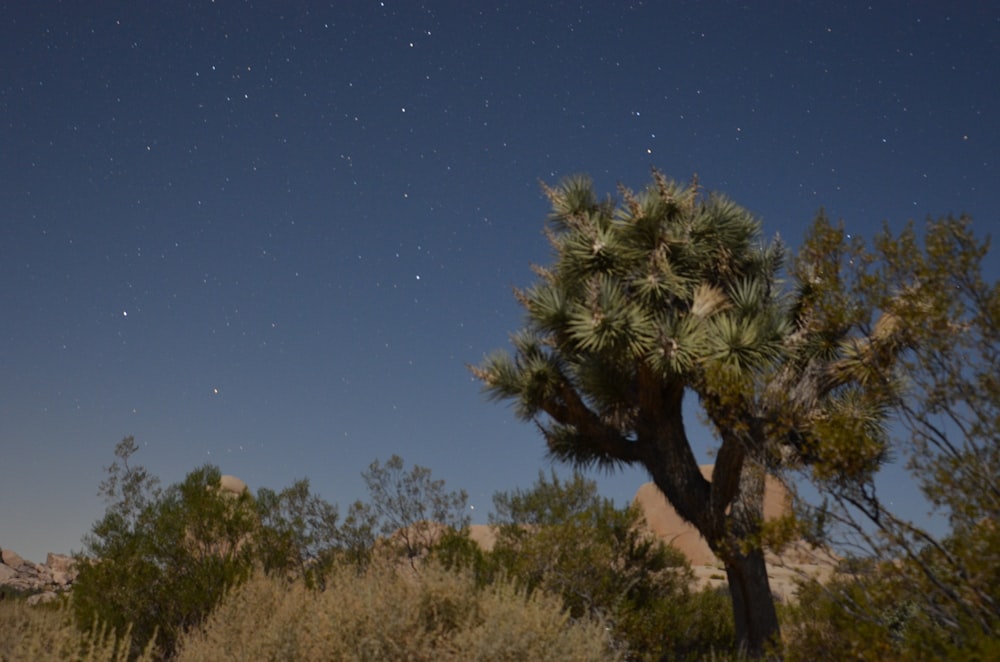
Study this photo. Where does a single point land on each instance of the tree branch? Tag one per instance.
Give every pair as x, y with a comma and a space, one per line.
568, 408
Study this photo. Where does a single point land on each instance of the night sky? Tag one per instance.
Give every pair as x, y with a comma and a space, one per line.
271, 235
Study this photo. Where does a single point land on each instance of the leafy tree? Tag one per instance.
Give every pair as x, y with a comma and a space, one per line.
564, 536
408, 507
828, 622
160, 560
357, 536
298, 532
945, 400
549, 502
128, 489
667, 292
561, 537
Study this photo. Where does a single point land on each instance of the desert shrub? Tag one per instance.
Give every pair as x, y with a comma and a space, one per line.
512, 627
847, 618
702, 625
409, 508
880, 611
160, 560
47, 632
455, 550
391, 612
920, 591
298, 533
561, 537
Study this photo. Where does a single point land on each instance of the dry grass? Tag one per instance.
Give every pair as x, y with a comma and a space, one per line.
388, 613
393, 614
47, 632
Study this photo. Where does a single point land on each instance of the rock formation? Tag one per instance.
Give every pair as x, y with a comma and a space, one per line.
798, 560
232, 485
44, 581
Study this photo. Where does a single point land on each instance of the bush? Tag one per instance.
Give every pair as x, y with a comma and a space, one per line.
391, 612
47, 632
562, 538
878, 612
298, 533
159, 561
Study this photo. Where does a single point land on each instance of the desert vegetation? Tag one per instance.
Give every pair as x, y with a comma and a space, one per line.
180, 572
391, 612
872, 354
48, 632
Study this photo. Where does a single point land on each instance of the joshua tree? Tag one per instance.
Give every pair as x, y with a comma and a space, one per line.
667, 292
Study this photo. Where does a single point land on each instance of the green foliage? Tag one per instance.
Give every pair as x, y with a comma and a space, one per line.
159, 561
570, 576
844, 620
942, 315
666, 292
357, 535
562, 538
665, 284
408, 507
298, 532
127, 489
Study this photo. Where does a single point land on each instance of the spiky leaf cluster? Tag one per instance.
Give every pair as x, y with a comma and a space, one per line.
668, 291
666, 284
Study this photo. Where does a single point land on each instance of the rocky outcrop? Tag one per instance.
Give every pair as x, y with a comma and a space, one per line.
232, 485
664, 521
798, 560
43, 580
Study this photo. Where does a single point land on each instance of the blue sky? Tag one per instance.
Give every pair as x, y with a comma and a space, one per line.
270, 236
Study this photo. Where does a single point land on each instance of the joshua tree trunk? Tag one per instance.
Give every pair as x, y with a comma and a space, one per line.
754, 615
731, 528
753, 605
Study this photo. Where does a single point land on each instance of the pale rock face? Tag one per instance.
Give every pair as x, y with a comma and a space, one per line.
6, 572
232, 484
9, 558
60, 578
60, 563
664, 521
783, 570
45, 579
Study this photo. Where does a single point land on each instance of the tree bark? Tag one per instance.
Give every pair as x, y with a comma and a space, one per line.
753, 604
729, 533
726, 510
754, 614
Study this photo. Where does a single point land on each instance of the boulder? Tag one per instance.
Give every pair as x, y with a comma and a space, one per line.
60, 563
669, 526
10, 558
796, 560
60, 578
664, 521
232, 485
57, 574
